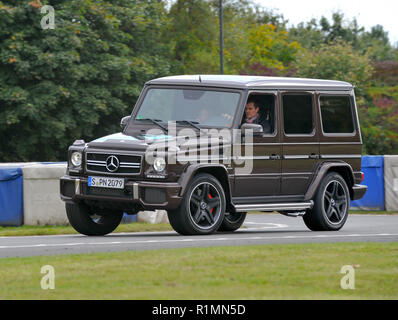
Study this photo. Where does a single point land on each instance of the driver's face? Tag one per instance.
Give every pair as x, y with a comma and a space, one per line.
250, 110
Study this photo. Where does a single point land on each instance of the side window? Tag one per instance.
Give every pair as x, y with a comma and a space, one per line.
336, 114
297, 114
260, 109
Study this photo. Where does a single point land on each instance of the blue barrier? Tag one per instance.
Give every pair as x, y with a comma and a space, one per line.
129, 218
373, 169
11, 197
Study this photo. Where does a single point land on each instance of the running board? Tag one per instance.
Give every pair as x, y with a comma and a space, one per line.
292, 206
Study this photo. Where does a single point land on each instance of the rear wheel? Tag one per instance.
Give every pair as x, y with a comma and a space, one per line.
87, 221
232, 221
332, 202
202, 208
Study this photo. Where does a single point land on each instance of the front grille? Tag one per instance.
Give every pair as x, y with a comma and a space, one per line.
128, 164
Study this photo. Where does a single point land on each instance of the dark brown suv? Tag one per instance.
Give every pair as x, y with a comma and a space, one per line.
209, 148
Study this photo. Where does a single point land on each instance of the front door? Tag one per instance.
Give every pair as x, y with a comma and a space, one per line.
263, 182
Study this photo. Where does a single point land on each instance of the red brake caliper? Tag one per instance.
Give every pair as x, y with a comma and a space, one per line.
210, 197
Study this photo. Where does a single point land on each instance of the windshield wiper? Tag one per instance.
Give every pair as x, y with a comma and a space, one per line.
155, 121
192, 123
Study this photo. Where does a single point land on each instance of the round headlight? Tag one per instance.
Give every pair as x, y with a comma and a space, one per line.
76, 159
159, 164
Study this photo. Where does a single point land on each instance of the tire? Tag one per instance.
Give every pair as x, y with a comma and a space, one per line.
232, 221
202, 208
83, 220
331, 205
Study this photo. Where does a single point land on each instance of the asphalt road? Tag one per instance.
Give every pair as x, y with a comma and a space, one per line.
257, 229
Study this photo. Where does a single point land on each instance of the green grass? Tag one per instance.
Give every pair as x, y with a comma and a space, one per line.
304, 271
390, 213
52, 230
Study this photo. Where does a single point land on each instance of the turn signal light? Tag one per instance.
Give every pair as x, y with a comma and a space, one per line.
362, 176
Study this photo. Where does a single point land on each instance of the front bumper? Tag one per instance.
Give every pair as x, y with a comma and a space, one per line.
358, 191
144, 194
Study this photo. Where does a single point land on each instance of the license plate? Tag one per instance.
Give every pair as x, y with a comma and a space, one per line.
104, 182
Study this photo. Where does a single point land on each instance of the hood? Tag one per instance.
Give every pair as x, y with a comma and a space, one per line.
141, 142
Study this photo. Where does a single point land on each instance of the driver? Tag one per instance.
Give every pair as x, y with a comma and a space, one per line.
252, 115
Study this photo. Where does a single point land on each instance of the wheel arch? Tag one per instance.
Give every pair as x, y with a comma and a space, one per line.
342, 168
219, 171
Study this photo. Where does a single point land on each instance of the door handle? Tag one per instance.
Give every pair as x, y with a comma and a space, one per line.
314, 156
275, 157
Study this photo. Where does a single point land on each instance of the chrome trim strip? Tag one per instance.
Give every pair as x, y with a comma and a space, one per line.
126, 166
199, 159
96, 161
297, 206
135, 190
130, 163
97, 164
296, 157
252, 158
77, 187
341, 156
338, 143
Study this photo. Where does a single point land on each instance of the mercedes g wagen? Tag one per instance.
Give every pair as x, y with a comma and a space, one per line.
210, 148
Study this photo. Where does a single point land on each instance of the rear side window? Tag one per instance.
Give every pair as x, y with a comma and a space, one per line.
297, 114
336, 114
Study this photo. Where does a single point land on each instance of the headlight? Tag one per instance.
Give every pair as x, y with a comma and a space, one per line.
159, 164
76, 159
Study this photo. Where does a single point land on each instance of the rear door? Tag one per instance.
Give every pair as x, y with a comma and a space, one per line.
300, 142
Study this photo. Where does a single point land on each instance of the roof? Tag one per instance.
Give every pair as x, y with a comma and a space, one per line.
252, 82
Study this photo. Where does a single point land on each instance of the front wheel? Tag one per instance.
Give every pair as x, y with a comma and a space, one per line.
202, 208
332, 202
232, 221
85, 220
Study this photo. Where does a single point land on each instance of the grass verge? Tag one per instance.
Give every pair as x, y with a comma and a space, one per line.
302, 271
389, 213
53, 230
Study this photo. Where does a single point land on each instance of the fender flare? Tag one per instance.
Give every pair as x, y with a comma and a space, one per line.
186, 177
323, 169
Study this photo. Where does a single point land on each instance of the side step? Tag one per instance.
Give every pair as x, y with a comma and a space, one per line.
292, 206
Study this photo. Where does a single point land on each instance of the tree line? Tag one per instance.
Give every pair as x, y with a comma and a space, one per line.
78, 79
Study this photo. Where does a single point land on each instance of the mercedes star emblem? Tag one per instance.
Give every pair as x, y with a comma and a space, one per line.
112, 163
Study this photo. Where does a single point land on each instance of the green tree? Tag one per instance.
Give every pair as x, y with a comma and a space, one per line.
193, 34
77, 80
379, 121
270, 47
376, 42
308, 34
337, 61
314, 33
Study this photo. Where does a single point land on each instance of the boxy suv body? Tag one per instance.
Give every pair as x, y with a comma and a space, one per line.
211, 160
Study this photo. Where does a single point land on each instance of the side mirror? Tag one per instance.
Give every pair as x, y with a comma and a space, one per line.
124, 121
255, 128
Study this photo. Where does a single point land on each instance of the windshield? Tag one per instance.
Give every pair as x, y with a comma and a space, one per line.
202, 107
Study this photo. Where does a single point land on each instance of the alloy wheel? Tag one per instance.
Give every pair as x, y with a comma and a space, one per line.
205, 205
335, 202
